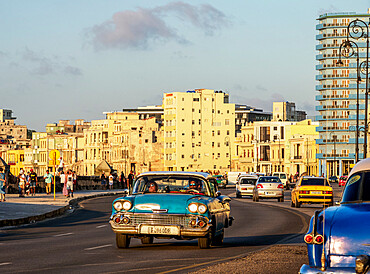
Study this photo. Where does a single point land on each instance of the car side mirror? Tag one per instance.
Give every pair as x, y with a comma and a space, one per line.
126, 191
337, 202
218, 193
226, 199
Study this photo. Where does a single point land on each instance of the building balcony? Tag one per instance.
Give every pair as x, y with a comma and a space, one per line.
322, 156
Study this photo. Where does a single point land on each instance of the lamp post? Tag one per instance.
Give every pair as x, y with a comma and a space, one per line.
334, 163
256, 142
278, 137
227, 143
358, 29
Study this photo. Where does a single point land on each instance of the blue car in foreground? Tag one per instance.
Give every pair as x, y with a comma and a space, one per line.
338, 239
172, 204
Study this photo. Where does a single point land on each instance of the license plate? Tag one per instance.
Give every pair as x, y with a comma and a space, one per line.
160, 229
270, 193
316, 192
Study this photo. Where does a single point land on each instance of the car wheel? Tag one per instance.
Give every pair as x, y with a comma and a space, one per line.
204, 242
292, 204
281, 199
218, 240
147, 240
122, 240
297, 204
256, 199
238, 195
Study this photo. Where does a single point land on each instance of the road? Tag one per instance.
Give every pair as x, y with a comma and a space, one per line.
83, 241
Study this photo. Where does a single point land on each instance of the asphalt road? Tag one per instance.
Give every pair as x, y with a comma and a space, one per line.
83, 241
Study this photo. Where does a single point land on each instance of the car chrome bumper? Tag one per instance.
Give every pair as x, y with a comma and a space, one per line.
185, 230
312, 269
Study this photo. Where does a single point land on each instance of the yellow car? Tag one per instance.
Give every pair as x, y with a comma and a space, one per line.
312, 190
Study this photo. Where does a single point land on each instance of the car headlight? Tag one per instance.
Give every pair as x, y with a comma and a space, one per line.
126, 205
117, 206
202, 209
193, 208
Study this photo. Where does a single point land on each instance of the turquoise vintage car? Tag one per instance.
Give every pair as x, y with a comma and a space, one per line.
172, 204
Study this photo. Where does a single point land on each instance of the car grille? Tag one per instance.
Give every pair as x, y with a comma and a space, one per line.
159, 219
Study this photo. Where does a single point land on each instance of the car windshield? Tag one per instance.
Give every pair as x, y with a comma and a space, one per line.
248, 181
269, 180
357, 188
171, 184
314, 182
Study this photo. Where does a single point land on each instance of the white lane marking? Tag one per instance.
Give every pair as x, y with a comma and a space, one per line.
100, 226
65, 234
5, 263
97, 247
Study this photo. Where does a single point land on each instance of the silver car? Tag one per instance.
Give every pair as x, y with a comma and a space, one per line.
245, 185
268, 187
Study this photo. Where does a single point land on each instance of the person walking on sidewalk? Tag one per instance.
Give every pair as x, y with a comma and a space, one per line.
130, 179
33, 182
21, 182
2, 185
122, 180
63, 181
48, 179
111, 178
70, 183
103, 180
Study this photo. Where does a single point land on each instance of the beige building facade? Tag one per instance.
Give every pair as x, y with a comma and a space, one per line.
199, 130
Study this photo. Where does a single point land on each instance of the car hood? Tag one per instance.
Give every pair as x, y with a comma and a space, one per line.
167, 203
349, 232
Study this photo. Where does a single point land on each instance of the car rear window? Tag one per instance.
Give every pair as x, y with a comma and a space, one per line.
246, 181
357, 188
314, 182
269, 179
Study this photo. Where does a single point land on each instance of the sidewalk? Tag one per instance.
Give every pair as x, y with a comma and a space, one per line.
17, 210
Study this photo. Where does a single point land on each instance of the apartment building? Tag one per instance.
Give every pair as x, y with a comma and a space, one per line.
199, 130
277, 146
336, 99
286, 111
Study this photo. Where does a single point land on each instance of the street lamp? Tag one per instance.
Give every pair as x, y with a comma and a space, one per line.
227, 143
256, 142
357, 29
278, 137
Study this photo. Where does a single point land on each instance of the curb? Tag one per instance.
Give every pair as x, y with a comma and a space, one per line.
51, 214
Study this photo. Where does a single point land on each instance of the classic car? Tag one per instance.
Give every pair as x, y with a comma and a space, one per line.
342, 180
172, 204
221, 181
338, 238
268, 187
333, 179
245, 185
312, 190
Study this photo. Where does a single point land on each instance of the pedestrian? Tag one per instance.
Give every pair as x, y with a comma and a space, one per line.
74, 180
48, 177
70, 184
33, 182
111, 178
130, 179
28, 183
122, 180
63, 181
2, 185
103, 180
21, 182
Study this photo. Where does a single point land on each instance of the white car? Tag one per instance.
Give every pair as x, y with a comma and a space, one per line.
245, 185
268, 187
283, 178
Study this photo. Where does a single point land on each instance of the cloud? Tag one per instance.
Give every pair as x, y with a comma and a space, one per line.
72, 70
47, 65
139, 28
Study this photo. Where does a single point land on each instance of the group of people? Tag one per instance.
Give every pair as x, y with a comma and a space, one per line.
68, 182
122, 180
27, 183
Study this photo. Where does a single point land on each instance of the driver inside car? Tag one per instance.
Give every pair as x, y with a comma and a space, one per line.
152, 187
194, 186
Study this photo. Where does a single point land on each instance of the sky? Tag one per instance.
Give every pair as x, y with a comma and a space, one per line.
67, 60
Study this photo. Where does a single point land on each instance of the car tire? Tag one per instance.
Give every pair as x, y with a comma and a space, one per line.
204, 243
218, 240
147, 240
297, 204
256, 199
292, 204
238, 195
281, 199
122, 240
